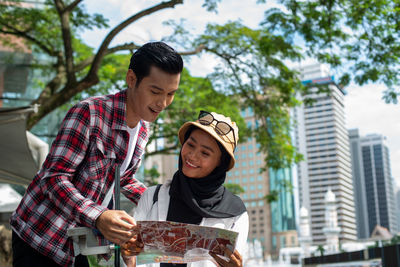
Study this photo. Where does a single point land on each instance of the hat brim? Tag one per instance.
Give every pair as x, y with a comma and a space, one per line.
182, 131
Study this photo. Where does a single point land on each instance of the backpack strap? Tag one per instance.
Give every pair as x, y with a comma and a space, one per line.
155, 196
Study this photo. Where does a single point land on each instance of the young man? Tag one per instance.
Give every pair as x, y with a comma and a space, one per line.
75, 184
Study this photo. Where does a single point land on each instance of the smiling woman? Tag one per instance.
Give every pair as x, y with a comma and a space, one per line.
196, 193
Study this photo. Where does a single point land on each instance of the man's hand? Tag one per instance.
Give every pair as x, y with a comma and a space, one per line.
116, 226
133, 247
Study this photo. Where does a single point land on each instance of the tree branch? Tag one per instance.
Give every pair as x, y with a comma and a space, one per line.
103, 47
66, 34
25, 35
72, 5
193, 52
131, 46
84, 63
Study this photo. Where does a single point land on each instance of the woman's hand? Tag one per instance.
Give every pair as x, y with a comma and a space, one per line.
132, 247
235, 259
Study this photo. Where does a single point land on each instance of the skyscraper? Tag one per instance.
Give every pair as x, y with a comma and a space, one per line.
375, 196
359, 185
321, 136
272, 224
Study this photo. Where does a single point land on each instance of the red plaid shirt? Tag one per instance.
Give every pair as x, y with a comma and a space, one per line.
77, 173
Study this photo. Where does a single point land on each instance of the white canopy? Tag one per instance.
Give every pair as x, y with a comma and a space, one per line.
21, 153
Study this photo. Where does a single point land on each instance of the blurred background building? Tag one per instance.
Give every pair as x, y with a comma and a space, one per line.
321, 136
374, 184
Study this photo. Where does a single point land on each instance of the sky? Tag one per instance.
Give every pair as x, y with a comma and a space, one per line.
364, 107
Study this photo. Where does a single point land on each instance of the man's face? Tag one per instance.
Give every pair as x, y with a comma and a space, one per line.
152, 95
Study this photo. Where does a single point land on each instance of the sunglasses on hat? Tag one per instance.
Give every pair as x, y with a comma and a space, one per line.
221, 128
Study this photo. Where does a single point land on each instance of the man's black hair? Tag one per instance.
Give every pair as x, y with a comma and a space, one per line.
156, 54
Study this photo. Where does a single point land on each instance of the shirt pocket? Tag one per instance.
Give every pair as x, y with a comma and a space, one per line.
101, 161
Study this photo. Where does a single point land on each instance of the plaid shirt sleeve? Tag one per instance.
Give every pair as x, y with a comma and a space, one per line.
67, 152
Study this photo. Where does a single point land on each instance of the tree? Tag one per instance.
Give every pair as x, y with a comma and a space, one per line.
253, 71
321, 250
358, 38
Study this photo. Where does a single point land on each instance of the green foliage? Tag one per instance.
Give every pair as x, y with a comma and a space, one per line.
273, 196
253, 69
358, 38
151, 176
234, 188
395, 240
321, 250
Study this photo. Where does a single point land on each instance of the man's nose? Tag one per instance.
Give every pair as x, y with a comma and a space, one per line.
162, 102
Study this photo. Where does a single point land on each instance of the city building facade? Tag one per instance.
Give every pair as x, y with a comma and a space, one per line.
372, 173
321, 136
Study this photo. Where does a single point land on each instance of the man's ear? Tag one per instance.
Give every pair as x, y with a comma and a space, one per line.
131, 79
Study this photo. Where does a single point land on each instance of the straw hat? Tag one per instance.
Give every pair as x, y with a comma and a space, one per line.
228, 141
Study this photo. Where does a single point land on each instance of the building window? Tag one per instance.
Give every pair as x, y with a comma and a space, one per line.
283, 241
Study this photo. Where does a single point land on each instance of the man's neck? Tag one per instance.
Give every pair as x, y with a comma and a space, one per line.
131, 118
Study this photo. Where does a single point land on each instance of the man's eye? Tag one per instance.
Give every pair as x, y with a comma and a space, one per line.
154, 92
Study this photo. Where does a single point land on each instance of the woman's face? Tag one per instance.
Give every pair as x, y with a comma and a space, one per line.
200, 154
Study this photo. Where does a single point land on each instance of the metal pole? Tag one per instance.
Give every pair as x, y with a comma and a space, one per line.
117, 185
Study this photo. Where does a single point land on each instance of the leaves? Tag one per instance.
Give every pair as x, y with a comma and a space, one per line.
234, 188
253, 69
360, 39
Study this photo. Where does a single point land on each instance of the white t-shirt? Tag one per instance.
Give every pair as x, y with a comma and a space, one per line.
133, 135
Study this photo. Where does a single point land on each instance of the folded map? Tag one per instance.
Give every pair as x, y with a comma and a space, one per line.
172, 242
